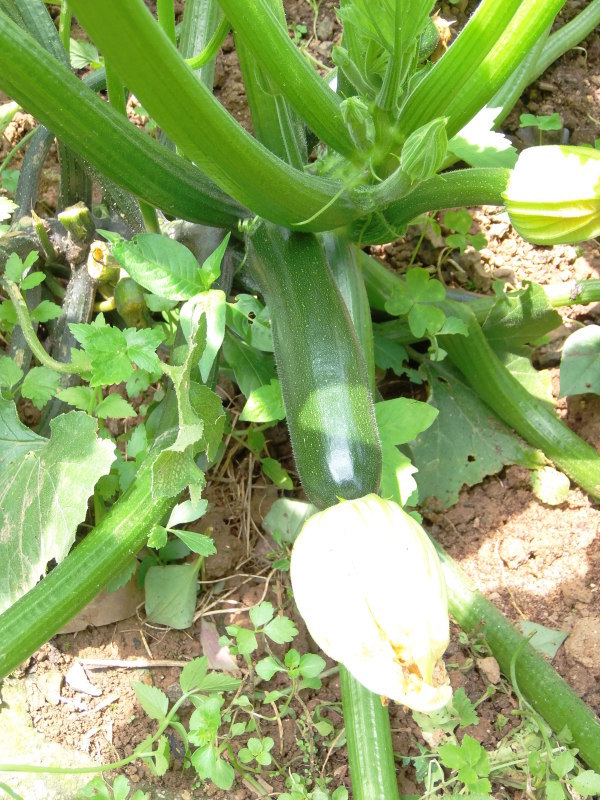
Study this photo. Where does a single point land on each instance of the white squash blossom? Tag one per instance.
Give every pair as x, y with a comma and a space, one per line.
369, 585
553, 196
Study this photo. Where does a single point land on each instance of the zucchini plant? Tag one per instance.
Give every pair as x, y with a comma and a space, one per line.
336, 163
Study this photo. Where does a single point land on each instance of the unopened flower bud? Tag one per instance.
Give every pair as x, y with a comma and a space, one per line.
425, 149
359, 122
368, 582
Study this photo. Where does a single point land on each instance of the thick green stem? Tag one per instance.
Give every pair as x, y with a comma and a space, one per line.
202, 26
512, 403
530, 417
42, 612
64, 25
29, 176
116, 90
74, 183
462, 187
35, 19
537, 680
118, 100
206, 133
77, 219
380, 283
567, 37
568, 294
299, 83
528, 24
150, 217
544, 53
370, 751
275, 123
104, 137
213, 46
507, 96
166, 18
447, 78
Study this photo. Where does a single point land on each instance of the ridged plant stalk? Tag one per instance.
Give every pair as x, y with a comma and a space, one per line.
450, 74
64, 25
206, 133
104, 137
567, 37
201, 20
545, 52
43, 611
307, 93
530, 417
535, 679
530, 22
380, 283
34, 17
507, 96
481, 186
275, 122
165, 10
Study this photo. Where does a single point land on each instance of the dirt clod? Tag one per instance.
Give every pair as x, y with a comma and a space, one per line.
583, 643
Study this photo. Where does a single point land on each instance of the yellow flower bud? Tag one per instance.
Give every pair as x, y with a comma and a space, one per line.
369, 586
553, 196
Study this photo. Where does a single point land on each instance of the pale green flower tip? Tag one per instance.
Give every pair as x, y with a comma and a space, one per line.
369, 585
553, 196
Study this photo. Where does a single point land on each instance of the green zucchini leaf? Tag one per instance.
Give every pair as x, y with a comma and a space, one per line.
466, 441
44, 493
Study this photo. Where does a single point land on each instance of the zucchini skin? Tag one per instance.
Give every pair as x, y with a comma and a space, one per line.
320, 366
342, 258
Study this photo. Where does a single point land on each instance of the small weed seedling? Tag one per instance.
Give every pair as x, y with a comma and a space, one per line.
298, 32
543, 122
459, 223
98, 789
530, 757
417, 298
210, 741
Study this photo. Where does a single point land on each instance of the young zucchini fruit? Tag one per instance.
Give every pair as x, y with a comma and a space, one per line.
320, 365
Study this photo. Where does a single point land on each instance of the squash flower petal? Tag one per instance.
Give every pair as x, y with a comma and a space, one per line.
553, 195
369, 585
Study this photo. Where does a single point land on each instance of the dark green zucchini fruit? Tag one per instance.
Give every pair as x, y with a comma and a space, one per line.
320, 365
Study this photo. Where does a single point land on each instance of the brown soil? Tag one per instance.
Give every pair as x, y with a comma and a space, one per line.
536, 562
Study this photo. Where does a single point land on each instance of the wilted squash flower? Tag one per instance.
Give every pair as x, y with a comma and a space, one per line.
369, 586
553, 196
